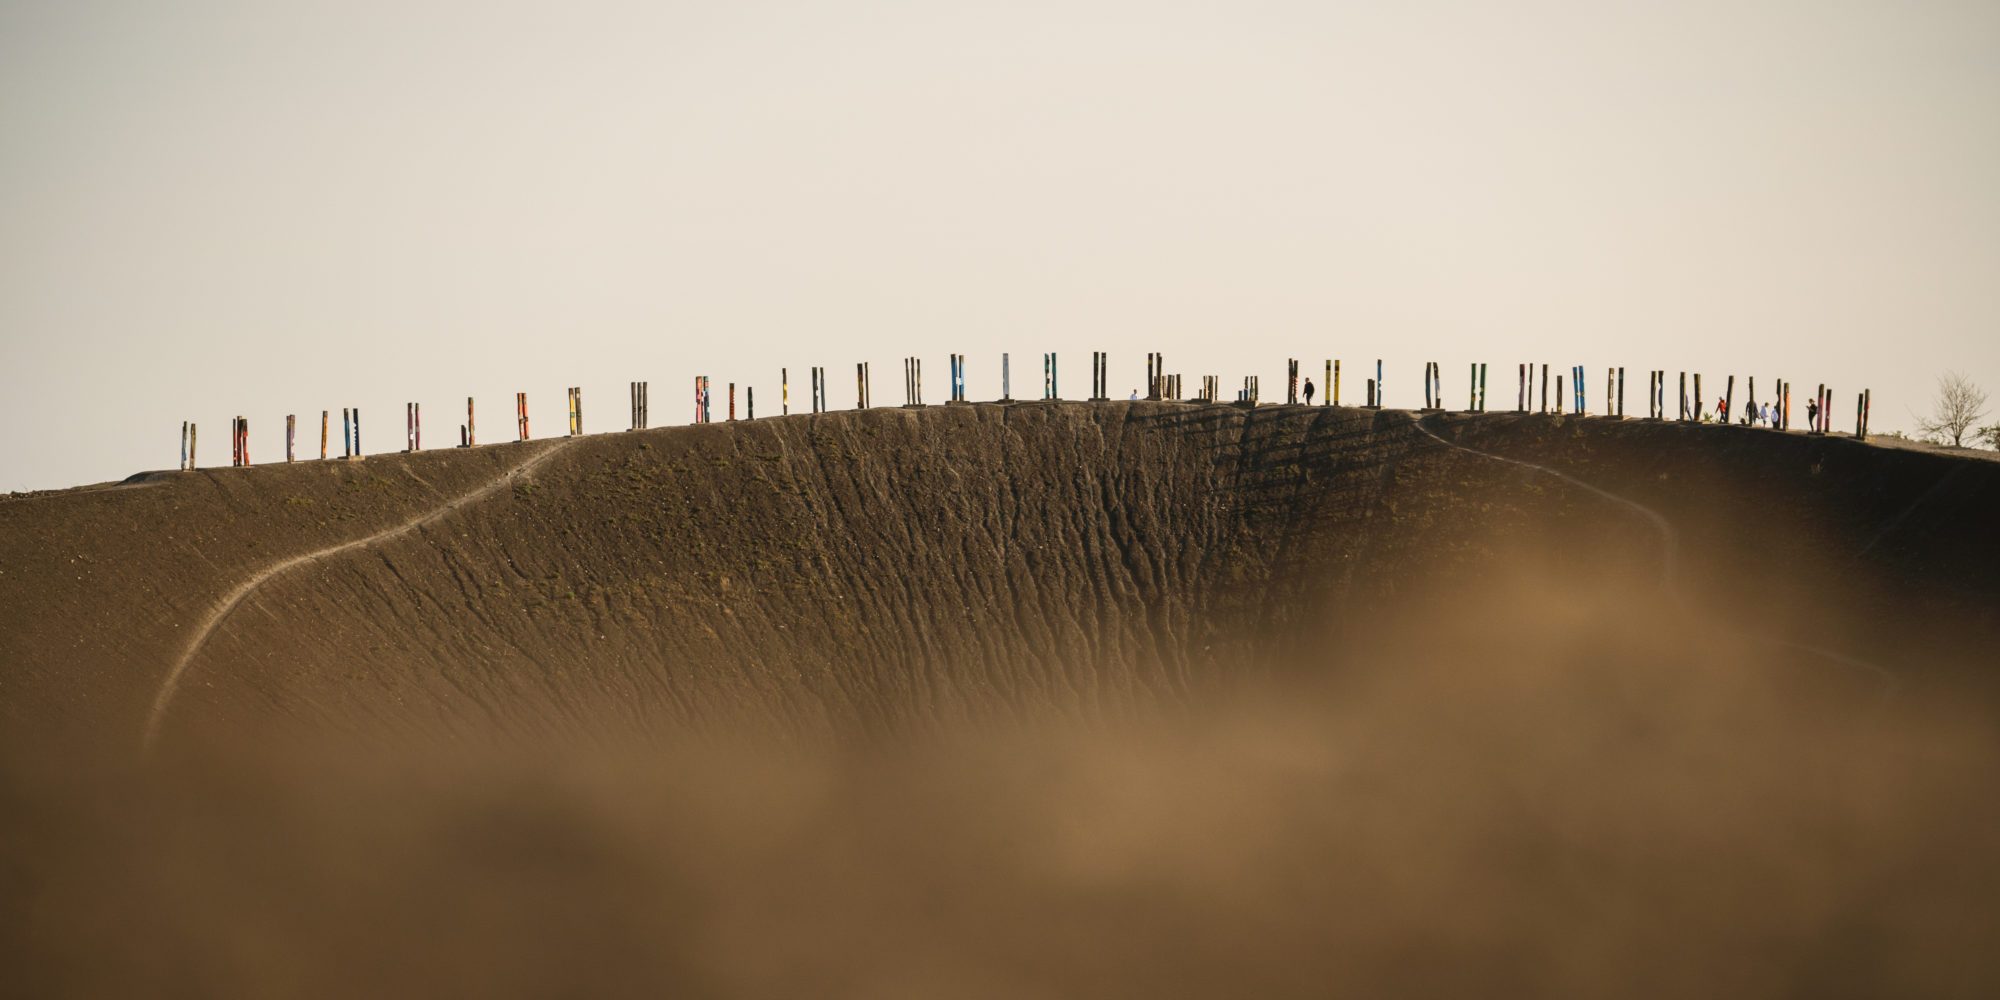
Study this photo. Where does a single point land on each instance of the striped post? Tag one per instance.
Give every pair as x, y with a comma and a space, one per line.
346, 433
784, 392
1378, 383
732, 402
1291, 381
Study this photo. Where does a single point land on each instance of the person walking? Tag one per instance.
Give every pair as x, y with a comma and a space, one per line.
1812, 414
1309, 392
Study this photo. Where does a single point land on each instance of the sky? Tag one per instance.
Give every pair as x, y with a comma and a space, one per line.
219, 209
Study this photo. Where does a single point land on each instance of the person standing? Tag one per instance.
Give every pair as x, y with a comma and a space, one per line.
1812, 413
1309, 392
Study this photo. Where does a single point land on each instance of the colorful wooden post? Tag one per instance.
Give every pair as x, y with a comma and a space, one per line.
732, 402
184, 446
1291, 381
1006, 379
194, 439
1336, 382
520, 416
291, 434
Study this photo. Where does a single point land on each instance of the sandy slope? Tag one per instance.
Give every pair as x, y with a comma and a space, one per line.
1133, 665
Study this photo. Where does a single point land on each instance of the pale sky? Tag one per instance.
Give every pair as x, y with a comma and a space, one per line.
211, 209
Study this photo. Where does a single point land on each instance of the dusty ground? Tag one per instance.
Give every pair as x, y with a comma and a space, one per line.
1115, 699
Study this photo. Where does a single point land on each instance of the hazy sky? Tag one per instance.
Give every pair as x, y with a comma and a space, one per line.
212, 209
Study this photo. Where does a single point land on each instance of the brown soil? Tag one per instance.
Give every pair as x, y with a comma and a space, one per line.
1111, 699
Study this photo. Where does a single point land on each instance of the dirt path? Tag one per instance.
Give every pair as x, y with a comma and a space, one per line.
171, 684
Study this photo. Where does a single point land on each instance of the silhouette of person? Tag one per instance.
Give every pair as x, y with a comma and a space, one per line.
1135, 395
1309, 392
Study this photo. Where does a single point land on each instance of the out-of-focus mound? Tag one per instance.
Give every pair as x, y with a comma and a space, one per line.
1582, 810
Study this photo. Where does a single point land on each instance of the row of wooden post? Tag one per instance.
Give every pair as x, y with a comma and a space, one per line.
1159, 386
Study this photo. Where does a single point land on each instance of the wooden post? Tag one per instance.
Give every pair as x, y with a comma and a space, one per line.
291, 434
194, 439
732, 402
750, 402
1728, 398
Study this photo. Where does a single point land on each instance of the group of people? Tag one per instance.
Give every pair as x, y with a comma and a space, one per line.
1755, 414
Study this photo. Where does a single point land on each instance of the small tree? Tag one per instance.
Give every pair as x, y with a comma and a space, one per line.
1990, 435
1959, 405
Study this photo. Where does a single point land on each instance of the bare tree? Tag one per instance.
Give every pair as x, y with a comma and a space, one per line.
1959, 405
1990, 435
